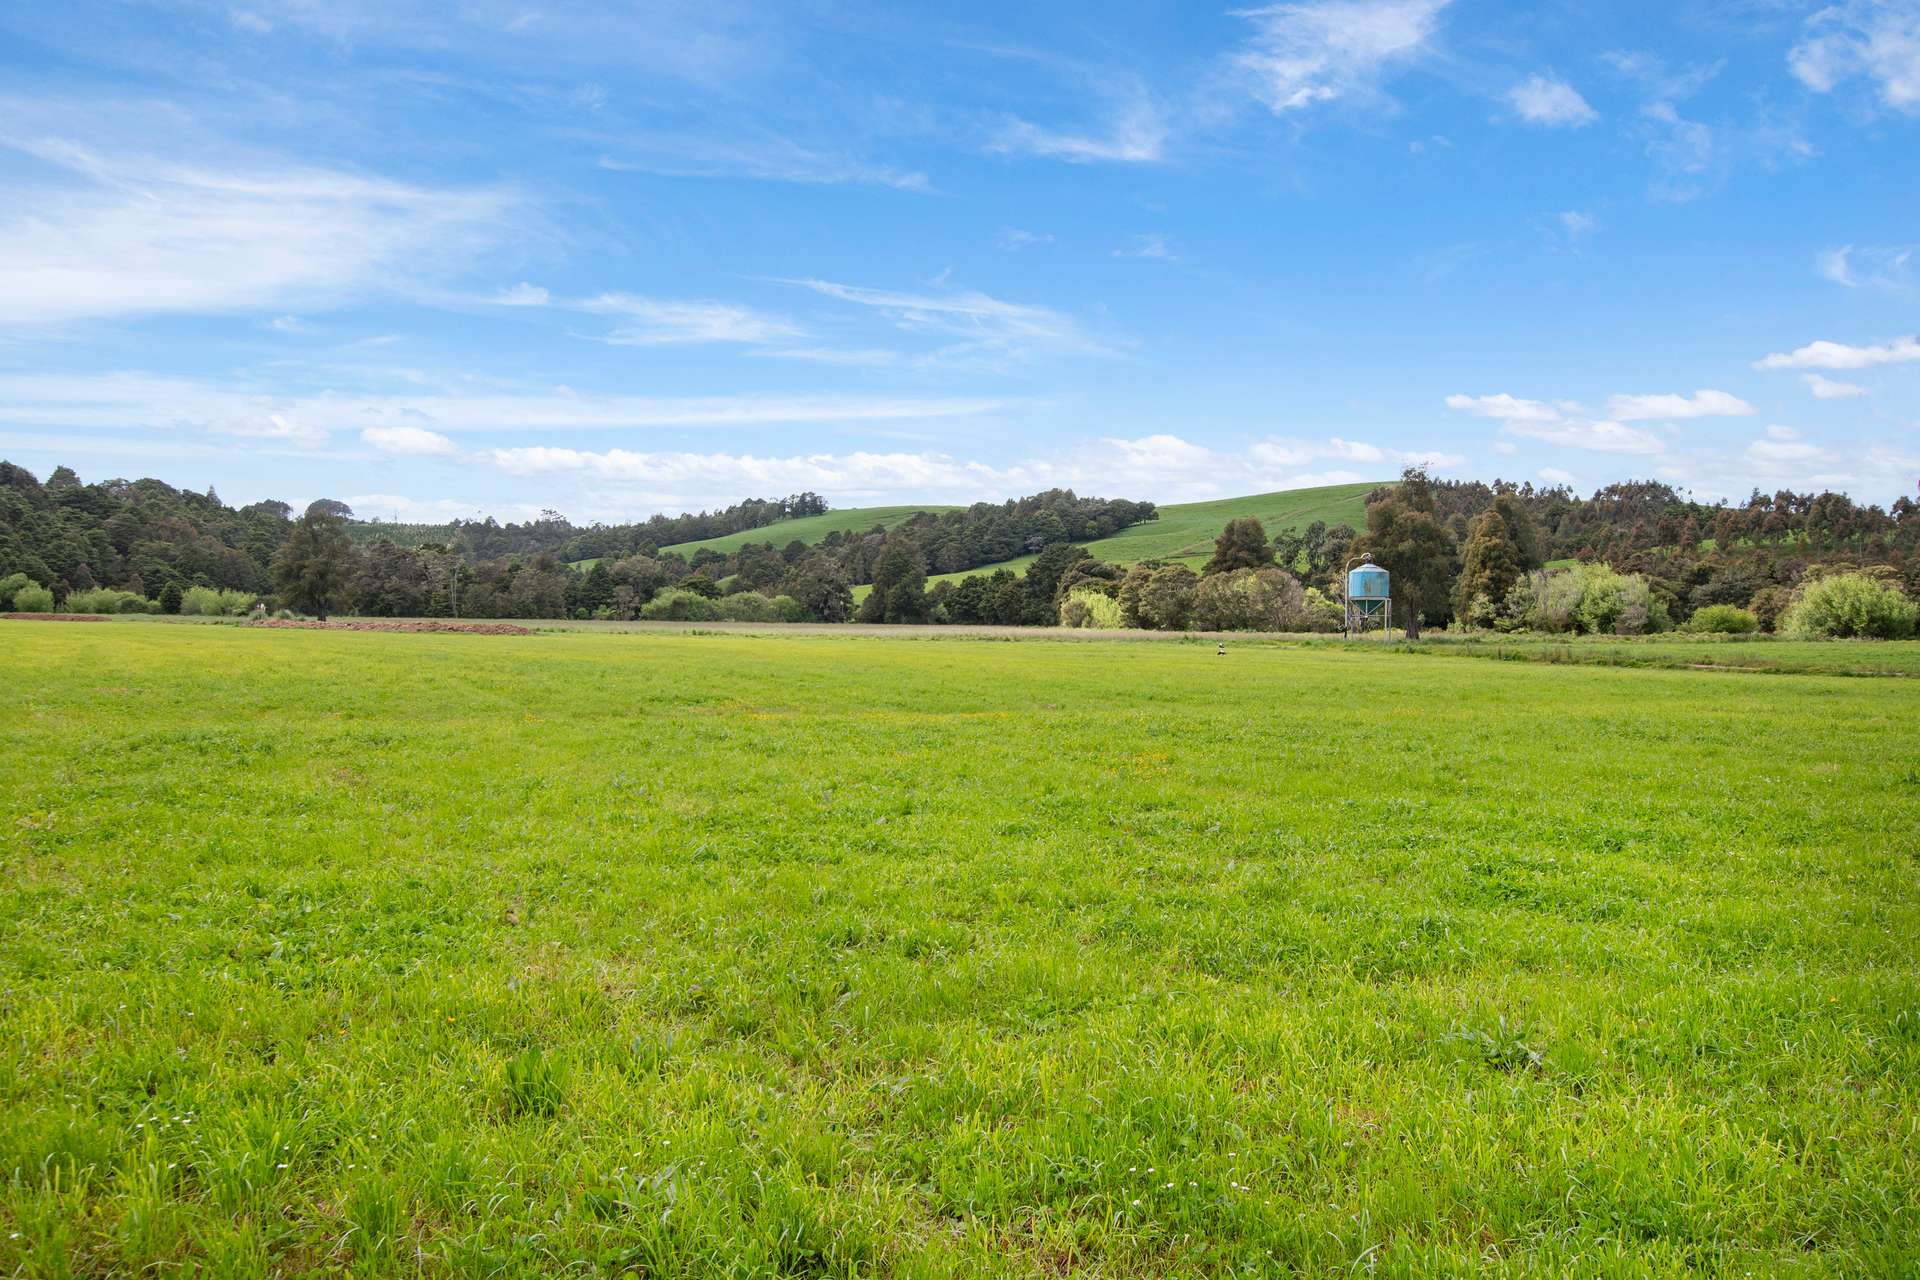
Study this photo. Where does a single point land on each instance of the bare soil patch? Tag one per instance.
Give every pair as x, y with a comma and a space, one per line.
56, 617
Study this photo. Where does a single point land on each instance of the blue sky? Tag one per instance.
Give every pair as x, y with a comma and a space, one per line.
437, 257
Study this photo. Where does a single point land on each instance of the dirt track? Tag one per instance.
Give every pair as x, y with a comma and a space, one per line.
468, 628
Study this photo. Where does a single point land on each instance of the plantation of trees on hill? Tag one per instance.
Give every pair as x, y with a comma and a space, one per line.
1633, 557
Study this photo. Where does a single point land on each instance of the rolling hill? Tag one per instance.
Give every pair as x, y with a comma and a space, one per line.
1185, 531
808, 529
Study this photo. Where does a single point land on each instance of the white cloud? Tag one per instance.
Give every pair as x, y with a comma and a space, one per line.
1137, 134
1837, 355
1563, 423
1878, 40
1701, 404
1550, 101
1554, 475
289, 324
1828, 389
409, 442
1599, 437
273, 426
1504, 407
1163, 466
1323, 50
109, 235
1283, 454
1877, 268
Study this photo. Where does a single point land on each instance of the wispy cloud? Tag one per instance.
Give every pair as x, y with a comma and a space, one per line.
981, 322
1014, 239
769, 159
1877, 40
179, 406
1550, 101
104, 235
1301, 55
1135, 134
1886, 269
1154, 244
660, 322
1838, 355
1687, 161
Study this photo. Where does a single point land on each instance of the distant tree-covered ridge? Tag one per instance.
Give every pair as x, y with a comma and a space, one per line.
1635, 556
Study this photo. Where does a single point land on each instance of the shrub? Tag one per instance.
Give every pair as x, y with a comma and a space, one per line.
1318, 612
33, 598
1089, 607
209, 602
1724, 619
106, 600
677, 605
790, 609
1588, 598
1248, 600
1850, 604
748, 606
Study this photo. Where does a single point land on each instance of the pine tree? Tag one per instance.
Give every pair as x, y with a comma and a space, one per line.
1492, 563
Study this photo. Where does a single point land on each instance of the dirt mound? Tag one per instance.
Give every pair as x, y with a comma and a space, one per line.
467, 628
56, 617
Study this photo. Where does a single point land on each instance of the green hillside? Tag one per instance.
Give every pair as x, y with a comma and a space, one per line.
808, 529
1185, 531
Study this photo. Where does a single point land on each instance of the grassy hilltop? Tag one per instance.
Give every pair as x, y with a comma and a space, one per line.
1184, 531
775, 955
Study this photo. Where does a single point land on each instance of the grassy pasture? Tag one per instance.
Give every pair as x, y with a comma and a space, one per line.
730, 955
807, 529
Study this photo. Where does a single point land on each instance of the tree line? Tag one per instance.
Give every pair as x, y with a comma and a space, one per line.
1636, 556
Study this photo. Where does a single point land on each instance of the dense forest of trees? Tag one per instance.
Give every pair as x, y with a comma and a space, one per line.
1634, 556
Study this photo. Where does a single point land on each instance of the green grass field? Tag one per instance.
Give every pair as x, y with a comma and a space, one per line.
783, 955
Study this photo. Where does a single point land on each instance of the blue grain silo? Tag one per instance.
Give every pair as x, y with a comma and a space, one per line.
1369, 598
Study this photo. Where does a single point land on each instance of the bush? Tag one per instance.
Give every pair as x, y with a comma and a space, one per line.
1248, 600
676, 605
790, 609
1089, 607
10, 585
208, 602
106, 600
748, 606
32, 598
1723, 619
1588, 598
1850, 605
1319, 612
1769, 605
